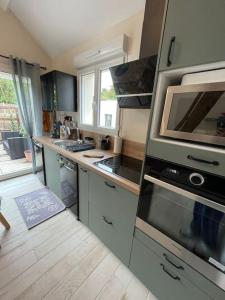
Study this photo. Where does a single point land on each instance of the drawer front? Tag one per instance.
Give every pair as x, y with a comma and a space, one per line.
180, 267
179, 154
159, 277
111, 232
109, 203
83, 194
114, 201
104, 193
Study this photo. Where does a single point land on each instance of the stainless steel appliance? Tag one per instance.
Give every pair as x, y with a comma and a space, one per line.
184, 211
69, 183
195, 112
133, 82
40, 161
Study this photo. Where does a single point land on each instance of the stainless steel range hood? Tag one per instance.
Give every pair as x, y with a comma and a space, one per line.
133, 82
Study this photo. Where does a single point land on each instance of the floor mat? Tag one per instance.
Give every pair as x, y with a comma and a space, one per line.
38, 206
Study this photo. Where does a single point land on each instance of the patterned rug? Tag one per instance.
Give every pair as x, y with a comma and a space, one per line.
38, 206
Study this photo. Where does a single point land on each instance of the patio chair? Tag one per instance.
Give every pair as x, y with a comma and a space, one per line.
16, 147
8, 134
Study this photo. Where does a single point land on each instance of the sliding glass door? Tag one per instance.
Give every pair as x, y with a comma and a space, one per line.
15, 154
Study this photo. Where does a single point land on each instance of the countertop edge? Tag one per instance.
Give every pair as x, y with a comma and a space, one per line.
88, 163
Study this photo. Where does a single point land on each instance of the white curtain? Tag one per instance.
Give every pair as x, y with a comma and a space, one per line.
26, 80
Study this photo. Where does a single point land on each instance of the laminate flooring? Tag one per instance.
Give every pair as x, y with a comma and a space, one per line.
58, 259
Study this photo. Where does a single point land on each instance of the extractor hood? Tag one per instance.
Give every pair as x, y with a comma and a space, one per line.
133, 82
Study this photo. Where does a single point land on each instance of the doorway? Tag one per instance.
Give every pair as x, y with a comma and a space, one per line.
15, 154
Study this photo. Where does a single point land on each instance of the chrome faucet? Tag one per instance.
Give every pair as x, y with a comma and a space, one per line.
78, 134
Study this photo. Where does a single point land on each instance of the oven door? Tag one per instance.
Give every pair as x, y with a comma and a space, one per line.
188, 225
195, 113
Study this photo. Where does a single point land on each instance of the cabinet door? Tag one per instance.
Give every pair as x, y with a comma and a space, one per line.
112, 214
52, 170
193, 34
47, 88
159, 278
66, 91
180, 267
83, 194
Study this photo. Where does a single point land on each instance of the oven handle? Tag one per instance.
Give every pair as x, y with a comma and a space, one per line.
185, 193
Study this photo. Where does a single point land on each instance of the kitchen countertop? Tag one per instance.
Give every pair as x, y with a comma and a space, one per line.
87, 162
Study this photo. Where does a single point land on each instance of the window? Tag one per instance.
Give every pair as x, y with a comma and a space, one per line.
108, 102
98, 103
87, 98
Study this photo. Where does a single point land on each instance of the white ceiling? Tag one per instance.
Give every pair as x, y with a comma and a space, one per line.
58, 25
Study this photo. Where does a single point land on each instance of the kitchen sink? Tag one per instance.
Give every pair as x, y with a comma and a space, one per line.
66, 143
75, 146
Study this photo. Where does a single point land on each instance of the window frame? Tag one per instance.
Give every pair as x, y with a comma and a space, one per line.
96, 69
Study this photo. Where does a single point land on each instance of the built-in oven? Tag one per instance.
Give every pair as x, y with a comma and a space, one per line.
195, 112
184, 211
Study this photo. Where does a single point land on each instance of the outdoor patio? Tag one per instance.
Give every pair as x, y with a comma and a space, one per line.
12, 168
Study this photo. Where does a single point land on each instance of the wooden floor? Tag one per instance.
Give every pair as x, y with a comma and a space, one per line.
58, 259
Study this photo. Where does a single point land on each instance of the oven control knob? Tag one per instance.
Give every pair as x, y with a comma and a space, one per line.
196, 179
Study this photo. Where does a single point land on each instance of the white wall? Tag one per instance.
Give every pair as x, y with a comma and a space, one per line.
134, 122
15, 40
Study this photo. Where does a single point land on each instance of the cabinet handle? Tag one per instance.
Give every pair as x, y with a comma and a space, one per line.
169, 62
109, 185
85, 171
107, 221
167, 272
68, 168
214, 163
172, 263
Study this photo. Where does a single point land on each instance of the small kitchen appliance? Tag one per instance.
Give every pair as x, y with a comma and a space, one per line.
194, 112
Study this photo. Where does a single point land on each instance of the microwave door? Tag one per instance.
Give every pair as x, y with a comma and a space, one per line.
195, 113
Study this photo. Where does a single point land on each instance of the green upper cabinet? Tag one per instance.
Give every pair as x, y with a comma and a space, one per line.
193, 34
59, 91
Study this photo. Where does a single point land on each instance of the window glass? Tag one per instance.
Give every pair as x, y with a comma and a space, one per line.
87, 98
108, 102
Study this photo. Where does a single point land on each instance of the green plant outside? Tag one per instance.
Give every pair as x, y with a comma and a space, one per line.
7, 92
108, 94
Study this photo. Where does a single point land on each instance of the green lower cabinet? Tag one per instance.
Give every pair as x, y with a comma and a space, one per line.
158, 276
112, 214
83, 195
52, 170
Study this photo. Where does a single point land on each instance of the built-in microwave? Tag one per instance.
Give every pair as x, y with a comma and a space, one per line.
195, 112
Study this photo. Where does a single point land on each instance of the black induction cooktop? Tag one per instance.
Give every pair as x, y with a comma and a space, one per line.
123, 166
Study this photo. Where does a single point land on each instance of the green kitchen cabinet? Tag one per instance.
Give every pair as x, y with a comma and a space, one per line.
83, 194
166, 275
112, 214
52, 170
164, 282
193, 33
180, 153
